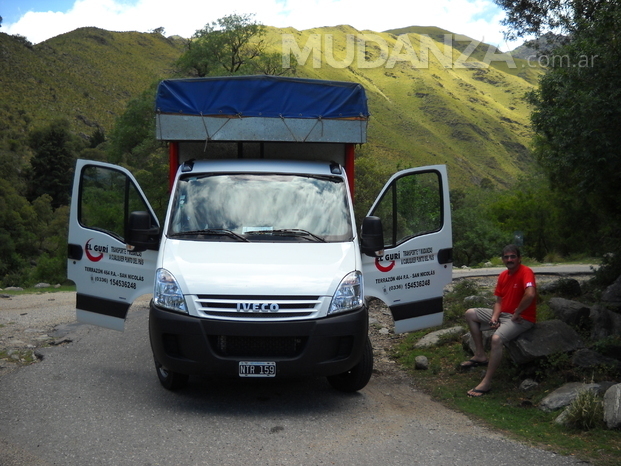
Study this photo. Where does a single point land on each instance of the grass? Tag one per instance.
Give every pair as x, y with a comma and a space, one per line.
38, 290
22, 357
508, 408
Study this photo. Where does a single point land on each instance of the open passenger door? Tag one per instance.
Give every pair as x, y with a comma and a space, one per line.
108, 212
416, 263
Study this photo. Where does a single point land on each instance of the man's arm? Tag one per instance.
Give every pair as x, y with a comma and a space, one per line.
494, 322
529, 294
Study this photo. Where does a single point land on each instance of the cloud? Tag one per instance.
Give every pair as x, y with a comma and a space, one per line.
478, 19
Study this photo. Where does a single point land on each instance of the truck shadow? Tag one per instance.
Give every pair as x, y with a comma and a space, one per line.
228, 396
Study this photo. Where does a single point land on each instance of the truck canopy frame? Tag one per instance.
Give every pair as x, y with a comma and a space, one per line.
261, 108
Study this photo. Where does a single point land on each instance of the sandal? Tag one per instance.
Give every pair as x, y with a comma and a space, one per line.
472, 363
476, 393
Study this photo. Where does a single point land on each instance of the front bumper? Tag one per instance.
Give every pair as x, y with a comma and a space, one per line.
320, 347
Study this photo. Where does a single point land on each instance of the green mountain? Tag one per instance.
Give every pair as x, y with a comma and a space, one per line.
462, 106
87, 75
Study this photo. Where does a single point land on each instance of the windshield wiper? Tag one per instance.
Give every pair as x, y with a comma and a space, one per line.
211, 231
288, 232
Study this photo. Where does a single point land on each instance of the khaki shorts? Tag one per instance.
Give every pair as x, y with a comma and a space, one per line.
508, 329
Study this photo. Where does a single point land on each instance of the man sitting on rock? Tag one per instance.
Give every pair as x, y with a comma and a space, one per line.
514, 312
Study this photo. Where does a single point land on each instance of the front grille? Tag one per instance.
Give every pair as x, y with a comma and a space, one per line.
259, 307
257, 347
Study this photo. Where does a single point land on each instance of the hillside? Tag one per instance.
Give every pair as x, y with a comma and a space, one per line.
87, 75
471, 117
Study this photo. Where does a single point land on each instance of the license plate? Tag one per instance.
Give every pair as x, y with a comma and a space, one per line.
257, 369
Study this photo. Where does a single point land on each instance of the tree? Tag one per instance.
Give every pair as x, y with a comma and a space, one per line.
576, 115
131, 129
226, 46
132, 142
233, 44
535, 17
98, 137
18, 223
477, 236
53, 161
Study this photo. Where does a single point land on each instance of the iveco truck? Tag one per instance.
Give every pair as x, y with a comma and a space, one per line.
258, 268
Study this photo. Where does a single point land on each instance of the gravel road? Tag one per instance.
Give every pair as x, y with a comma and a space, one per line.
390, 421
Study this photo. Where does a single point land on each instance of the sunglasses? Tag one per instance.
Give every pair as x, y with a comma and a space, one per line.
510, 256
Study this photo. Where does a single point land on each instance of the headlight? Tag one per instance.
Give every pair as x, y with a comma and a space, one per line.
349, 294
167, 293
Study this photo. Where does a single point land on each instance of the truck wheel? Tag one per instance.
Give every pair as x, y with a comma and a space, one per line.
358, 376
170, 380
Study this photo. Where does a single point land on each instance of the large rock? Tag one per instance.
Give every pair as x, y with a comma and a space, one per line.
571, 312
569, 287
605, 322
591, 359
612, 294
564, 395
433, 338
467, 342
545, 338
612, 407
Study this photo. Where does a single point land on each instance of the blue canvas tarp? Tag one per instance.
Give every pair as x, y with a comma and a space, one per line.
262, 96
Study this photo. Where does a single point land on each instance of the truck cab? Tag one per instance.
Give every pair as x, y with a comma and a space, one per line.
258, 268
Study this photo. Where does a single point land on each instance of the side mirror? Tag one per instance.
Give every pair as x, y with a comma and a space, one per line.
141, 235
372, 237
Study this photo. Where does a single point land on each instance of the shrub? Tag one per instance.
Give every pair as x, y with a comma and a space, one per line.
454, 306
585, 412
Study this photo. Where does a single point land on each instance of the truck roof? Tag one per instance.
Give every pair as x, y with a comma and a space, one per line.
261, 108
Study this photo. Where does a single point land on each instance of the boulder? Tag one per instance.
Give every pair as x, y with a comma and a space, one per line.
571, 312
612, 407
528, 384
421, 363
468, 344
433, 338
569, 287
564, 395
589, 358
612, 294
605, 322
604, 386
545, 338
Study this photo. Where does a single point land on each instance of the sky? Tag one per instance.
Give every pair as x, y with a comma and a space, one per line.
39, 20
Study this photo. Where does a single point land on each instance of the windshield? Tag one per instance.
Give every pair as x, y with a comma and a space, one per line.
261, 207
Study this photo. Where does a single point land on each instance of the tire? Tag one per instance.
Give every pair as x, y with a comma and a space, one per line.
170, 380
358, 376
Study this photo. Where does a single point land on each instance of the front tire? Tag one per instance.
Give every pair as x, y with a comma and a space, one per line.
170, 380
358, 376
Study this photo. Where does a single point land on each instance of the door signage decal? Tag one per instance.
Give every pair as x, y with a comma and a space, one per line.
98, 251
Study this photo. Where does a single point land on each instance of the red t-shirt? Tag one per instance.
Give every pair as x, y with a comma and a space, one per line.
510, 288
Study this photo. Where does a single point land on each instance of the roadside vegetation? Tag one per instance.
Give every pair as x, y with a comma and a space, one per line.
554, 201
508, 408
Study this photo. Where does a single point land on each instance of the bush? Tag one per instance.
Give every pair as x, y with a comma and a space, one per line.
608, 271
585, 412
51, 269
454, 305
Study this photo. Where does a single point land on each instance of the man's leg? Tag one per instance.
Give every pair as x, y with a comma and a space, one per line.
507, 331
495, 357
474, 323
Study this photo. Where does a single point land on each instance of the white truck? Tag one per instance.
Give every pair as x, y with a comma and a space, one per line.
258, 269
